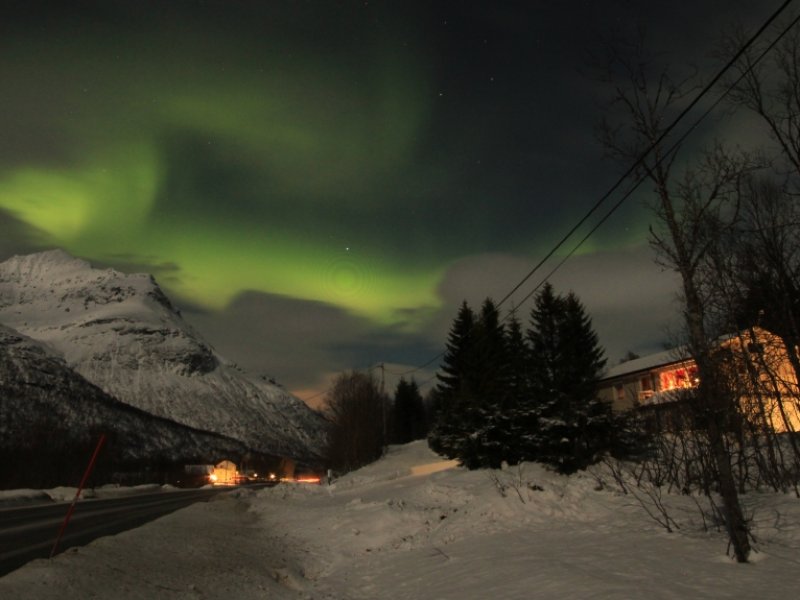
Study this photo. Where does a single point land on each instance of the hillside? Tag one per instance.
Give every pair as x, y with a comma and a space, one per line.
51, 419
123, 334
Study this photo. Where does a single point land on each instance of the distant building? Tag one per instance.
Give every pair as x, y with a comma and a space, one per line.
225, 473
757, 364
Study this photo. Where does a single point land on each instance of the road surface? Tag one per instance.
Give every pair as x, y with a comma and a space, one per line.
29, 532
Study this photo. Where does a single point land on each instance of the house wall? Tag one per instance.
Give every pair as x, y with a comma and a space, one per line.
621, 393
756, 355
774, 401
225, 472
645, 387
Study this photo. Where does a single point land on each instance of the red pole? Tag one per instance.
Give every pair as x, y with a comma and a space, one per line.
71, 508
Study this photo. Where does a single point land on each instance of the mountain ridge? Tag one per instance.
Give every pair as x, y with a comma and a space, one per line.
122, 333
51, 418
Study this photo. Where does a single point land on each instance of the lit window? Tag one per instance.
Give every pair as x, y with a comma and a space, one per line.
683, 377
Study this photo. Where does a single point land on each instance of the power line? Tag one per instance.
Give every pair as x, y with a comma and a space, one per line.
649, 149
632, 169
419, 368
672, 149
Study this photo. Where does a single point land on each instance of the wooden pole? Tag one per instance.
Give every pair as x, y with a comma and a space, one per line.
71, 508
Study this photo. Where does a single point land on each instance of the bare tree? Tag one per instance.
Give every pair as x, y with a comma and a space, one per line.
755, 271
771, 89
355, 407
766, 248
691, 209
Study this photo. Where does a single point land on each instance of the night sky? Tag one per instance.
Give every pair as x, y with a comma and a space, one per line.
318, 185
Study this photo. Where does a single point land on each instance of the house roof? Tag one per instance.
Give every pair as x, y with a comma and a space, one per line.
645, 363
670, 357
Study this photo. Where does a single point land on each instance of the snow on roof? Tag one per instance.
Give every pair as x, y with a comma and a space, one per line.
644, 363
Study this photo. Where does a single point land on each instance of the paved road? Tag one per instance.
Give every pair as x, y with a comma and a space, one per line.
29, 532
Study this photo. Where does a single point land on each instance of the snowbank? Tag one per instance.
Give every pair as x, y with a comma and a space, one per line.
413, 527
9, 498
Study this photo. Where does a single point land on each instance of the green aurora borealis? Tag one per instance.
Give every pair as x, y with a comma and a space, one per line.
269, 173
358, 167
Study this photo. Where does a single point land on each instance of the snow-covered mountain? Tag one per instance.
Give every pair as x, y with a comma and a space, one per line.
51, 417
122, 333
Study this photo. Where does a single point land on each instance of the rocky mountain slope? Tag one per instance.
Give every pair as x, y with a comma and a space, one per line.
122, 334
51, 418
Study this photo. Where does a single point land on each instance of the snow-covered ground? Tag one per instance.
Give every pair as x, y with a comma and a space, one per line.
24, 497
414, 527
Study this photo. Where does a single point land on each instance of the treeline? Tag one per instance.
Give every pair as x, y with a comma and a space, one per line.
508, 394
363, 419
505, 394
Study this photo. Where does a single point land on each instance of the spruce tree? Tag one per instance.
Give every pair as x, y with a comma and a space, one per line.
504, 398
547, 400
518, 409
471, 423
409, 412
571, 424
455, 388
486, 424
589, 419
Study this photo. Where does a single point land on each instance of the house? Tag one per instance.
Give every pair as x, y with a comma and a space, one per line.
224, 473
757, 367
647, 380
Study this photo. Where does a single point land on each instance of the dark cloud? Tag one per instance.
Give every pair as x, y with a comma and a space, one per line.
295, 341
631, 300
301, 342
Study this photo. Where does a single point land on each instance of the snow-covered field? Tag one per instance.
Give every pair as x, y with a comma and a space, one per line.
414, 527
